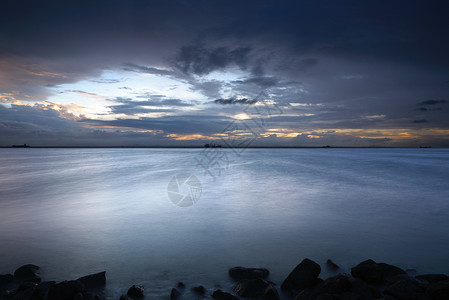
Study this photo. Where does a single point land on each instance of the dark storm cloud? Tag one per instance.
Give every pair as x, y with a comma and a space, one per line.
200, 60
129, 106
235, 101
355, 59
431, 102
420, 121
148, 70
263, 82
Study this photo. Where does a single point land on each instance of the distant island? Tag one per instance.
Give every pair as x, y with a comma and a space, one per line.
21, 146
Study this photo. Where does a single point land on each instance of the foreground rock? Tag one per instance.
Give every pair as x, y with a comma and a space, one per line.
68, 290
369, 271
93, 280
439, 290
136, 292
303, 276
220, 295
406, 289
174, 294
27, 273
240, 273
432, 278
256, 288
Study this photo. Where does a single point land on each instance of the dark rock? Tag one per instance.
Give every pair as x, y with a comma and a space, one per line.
331, 265
200, 290
361, 288
124, 297
253, 288
240, 273
432, 278
333, 285
27, 273
392, 273
6, 279
369, 271
220, 295
303, 276
411, 272
405, 289
93, 280
306, 294
180, 285
439, 290
67, 290
135, 292
271, 293
174, 294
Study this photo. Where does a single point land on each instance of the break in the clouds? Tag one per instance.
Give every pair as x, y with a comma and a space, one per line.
340, 73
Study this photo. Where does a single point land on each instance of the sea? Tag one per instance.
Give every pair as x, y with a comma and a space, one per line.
157, 216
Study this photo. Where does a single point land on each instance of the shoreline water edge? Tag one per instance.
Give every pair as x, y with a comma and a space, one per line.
367, 280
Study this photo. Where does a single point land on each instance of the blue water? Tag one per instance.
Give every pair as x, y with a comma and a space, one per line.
79, 211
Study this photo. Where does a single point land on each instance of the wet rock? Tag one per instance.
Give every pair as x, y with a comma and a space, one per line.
240, 273
174, 294
27, 273
124, 297
135, 292
361, 288
180, 285
432, 278
331, 265
252, 288
220, 295
439, 290
93, 280
333, 285
6, 279
405, 289
303, 276
369, 271
392, 273
271, 293
200, 290
67, 290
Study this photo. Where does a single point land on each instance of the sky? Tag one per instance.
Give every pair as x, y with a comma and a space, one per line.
371, 73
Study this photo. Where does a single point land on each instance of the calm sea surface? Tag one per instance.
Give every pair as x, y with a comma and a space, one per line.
79, 211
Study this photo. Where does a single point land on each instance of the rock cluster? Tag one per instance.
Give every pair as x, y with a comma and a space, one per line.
368, 280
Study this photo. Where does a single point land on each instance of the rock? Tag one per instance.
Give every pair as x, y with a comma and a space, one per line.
252, 288
369, 271
174, 294
333, 285
220, 295
27, 273
200, 290
331, 265
303, 276
271, 293
325, 297
439, 290
67, 290
432, 278
405, 289
392, 273
124, 297
361, 288
93, 280
240, 273
180, 285
135, 292
6, 279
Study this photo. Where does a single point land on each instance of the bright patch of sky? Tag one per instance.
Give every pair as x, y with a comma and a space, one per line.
96, 94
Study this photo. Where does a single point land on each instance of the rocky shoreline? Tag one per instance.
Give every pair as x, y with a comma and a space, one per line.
368, 280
